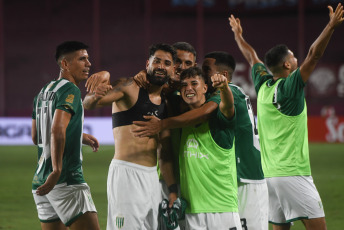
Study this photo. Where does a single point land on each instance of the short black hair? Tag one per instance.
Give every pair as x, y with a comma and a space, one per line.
192, 72
275, 55
68, 47
164, 47
185, 47
222, 58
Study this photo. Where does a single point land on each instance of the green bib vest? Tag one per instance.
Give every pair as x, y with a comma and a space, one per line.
207, 172
283, 138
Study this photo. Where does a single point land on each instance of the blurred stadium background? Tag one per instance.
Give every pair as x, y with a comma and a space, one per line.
119, 34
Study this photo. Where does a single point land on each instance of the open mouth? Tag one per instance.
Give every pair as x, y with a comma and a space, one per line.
160, 73
190, 95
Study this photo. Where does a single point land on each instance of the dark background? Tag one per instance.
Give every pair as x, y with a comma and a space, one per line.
120, 32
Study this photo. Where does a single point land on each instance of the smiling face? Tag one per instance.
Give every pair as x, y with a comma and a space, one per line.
193, 91
184, 61
159, 67
77, 65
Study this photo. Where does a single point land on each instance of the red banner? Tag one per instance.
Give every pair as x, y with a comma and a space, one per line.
326, 128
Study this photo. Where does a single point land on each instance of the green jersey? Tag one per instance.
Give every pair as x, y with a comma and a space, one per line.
247, 149
64, 95
282, 123
207, 169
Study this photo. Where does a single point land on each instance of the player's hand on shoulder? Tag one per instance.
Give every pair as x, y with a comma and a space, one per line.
102, 90
141, 79
96, 79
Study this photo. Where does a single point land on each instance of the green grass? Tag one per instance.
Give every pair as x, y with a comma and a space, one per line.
17, 165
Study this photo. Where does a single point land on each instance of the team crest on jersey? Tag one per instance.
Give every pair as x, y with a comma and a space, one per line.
192, 143
70, 98
119, 222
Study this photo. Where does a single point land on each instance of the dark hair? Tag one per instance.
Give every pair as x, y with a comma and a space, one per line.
164, 47
222, 58
68, 47
275, 55
192, 72
185, 47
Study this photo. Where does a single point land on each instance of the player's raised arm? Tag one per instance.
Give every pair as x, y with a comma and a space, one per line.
219, 81
317, 49
105, 95
245, 48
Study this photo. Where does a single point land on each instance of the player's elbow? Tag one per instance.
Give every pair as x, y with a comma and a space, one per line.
34, 140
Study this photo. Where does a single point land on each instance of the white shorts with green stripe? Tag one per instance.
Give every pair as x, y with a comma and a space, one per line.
65, 203
253, 204
205, 221
293, 198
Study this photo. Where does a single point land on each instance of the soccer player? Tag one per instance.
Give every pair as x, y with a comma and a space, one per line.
59, 189
207, 157
282, 126
133, 185
186, 58
252, 188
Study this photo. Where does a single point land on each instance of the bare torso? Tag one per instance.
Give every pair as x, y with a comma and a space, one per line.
139, 150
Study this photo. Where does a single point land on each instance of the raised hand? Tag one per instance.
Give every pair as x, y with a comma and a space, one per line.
235, 24
336, 18
219, 81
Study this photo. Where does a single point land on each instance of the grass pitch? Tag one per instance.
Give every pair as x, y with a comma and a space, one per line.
18, 163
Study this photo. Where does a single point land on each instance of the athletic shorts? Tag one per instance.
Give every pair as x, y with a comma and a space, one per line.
211, 221
253, 204
134, 194
293, 198
65, 203
164, 194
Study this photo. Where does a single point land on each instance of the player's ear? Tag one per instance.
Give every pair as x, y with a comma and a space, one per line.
64, 64
286, 65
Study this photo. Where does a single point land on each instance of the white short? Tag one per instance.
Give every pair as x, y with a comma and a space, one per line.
134, 194
164, 194
253, 204
210, 221
293, 198
65, 203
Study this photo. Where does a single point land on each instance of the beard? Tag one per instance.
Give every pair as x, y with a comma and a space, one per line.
157, 80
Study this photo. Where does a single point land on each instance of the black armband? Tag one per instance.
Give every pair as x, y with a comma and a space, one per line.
173, 188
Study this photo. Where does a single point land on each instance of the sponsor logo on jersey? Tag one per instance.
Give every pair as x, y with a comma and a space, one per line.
119, 222
153, 113
70, 98
192, 144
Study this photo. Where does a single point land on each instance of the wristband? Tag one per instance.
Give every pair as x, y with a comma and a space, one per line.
173, 188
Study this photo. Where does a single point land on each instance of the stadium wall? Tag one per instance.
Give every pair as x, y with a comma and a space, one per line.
17, 131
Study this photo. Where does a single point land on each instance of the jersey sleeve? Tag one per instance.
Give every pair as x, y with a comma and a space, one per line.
69, 99
293, 85
222, 129
259, 75
290, 94
215, 97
